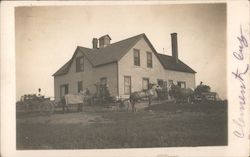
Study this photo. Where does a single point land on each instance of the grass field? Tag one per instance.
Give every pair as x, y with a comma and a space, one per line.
161, 125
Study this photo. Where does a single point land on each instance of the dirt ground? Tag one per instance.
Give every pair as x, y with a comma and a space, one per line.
163, 124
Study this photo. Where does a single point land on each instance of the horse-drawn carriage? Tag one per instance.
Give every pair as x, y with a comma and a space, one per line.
203, 93
69, 101
200, 93
36, 103
84, 97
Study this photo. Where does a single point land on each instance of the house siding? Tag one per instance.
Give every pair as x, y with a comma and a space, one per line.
116, 71
110, 72
89, 77
126, 67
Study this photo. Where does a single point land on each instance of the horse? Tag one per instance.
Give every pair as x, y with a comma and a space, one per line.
74, 99
178, 93
138, 95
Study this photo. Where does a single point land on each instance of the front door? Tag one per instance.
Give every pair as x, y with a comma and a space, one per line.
64, 89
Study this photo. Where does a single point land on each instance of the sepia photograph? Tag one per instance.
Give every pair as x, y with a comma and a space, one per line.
127, 76
124, 78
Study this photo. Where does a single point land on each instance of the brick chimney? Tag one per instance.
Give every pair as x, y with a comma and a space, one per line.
95, 43
104, 41
174, 47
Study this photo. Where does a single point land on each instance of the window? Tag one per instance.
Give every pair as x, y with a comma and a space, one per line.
149, 60
160, 82
79, 86
181, 84
136, 57
64, 89
79, 64
127, 85
145, 84
103, 80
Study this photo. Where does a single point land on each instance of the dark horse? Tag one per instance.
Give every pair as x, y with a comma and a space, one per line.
181, 94
135, 96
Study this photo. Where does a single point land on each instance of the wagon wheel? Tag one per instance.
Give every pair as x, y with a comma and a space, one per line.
46, 108
41, 107
52, 105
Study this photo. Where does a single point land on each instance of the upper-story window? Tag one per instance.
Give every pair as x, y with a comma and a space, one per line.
149, 60
79, 64
136, 57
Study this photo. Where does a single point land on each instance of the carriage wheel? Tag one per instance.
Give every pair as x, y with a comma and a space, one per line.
46, 108
51, 107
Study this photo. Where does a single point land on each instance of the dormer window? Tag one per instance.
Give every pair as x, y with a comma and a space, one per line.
79, 64
136, 57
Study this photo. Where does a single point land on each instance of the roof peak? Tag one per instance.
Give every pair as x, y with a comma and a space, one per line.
128, 38
106, 35
142, 34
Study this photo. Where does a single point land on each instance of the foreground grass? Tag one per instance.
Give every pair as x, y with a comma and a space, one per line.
163, 125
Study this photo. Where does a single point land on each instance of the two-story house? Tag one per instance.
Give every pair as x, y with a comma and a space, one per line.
125, 66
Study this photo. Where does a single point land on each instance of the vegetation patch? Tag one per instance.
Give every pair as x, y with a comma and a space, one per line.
162, 125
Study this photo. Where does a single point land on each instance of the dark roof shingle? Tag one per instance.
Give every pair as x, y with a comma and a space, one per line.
114, 52
110, 53
169, 62
64, 69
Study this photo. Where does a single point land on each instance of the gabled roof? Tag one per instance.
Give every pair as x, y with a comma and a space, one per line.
65, 68
169, 62
106, 55
110, 53
114, 52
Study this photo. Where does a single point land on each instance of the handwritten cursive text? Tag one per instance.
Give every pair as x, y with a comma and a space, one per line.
239, 75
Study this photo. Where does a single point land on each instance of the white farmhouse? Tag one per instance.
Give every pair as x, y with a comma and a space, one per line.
125, 66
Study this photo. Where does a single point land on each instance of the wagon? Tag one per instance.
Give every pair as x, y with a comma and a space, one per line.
34, 103
203, 93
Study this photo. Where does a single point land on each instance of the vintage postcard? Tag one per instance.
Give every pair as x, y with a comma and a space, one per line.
143, 78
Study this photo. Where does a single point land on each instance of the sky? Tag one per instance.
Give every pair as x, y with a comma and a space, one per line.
47, 36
